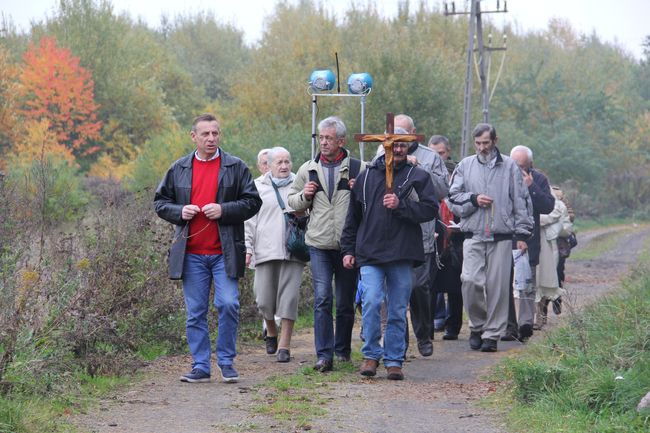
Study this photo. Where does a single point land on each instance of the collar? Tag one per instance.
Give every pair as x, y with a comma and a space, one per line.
341, 157
215, 156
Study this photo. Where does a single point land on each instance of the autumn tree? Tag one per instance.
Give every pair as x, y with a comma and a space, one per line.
8, 83
54, 87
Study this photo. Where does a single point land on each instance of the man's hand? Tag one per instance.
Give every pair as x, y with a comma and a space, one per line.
212, 211
528, 178
391, 201
412, 159
310, 190
521, 245
351, 183
249, 256
189, 211
484, 200
348, 261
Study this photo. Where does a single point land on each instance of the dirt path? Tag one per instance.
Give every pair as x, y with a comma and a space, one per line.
438, 395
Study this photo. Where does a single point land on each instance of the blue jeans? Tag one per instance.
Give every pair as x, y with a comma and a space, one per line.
398, 291
324, 265
199, 271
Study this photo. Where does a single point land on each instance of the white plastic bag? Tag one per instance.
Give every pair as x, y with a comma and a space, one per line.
523, 279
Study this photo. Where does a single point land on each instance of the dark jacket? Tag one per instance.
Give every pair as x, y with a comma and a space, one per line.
237, 196
376, 235
543, 203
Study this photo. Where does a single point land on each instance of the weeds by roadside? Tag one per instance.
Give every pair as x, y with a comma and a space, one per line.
588, 375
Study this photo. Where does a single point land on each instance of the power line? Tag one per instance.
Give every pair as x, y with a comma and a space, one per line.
475, 31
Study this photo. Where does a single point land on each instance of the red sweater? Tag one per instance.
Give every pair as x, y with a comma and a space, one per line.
203, 237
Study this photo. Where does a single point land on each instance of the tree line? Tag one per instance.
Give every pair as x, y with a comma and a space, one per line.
107, 96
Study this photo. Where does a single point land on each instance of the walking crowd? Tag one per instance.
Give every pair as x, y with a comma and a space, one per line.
404, 230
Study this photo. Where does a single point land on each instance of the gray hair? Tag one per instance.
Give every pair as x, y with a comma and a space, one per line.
261, 154
274, 151
526, 149
408, 119
333, 122
435, 139
482, 128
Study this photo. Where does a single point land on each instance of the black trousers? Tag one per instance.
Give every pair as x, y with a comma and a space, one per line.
421, 298
448, 280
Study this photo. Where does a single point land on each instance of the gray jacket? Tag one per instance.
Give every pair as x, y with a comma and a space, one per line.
429, 161
239, 201
511, 214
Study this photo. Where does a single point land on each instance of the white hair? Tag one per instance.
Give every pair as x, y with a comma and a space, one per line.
526, 149
274, 151
261, 154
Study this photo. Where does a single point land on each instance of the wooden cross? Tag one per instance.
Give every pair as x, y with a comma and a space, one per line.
387, 141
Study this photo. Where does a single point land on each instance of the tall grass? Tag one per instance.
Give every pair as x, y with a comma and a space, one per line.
589, 375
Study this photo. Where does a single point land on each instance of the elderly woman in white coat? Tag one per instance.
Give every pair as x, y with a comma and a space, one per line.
552, 226
277, 273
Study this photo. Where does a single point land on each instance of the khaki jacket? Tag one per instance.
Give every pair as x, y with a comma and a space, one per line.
326, 219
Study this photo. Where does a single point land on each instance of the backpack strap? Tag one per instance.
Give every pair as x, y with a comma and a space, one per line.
353, 172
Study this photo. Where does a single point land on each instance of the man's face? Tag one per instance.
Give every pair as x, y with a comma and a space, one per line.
484, 144
521, 158
330, 145
206, 137
441, 149
281, 165
400, 152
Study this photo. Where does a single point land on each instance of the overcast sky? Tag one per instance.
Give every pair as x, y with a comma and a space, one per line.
624, 22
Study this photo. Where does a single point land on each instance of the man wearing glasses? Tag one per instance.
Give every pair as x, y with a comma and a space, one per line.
322, 186
382, 236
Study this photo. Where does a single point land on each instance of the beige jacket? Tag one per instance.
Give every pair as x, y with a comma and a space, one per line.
266, 231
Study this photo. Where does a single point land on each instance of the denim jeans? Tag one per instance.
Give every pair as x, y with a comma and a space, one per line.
199, 271
397, 276
324, 265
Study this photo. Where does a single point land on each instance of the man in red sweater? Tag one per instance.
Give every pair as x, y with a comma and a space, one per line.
208, 195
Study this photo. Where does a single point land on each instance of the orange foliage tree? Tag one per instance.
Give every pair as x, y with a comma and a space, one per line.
55, 88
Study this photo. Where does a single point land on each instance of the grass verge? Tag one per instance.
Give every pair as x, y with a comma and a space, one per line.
295, 400
589, 375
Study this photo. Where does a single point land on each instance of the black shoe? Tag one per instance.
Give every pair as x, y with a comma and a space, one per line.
425, 347
489, 345
323, 365
449, 336
271, 345
475, 340
557, 306
525, 332
284, 355
510, 336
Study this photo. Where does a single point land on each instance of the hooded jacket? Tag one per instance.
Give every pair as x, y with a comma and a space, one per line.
510, 217
376, 235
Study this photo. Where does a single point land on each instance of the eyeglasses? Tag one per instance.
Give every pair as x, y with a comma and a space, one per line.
402, 145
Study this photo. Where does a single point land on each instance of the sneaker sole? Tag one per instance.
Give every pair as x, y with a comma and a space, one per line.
227, 379
188, 380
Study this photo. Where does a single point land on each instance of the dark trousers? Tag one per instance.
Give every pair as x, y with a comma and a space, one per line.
512, 328
420, 302
448, 280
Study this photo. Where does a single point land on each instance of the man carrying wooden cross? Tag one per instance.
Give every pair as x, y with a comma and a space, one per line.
382, 236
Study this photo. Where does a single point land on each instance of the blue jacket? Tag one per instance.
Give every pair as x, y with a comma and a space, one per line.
543, 203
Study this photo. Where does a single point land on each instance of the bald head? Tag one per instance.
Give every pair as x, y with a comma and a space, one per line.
405, 122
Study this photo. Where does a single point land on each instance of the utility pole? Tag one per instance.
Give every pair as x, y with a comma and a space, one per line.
475, 31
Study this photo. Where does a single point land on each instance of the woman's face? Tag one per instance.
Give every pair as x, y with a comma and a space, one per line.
281, 165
